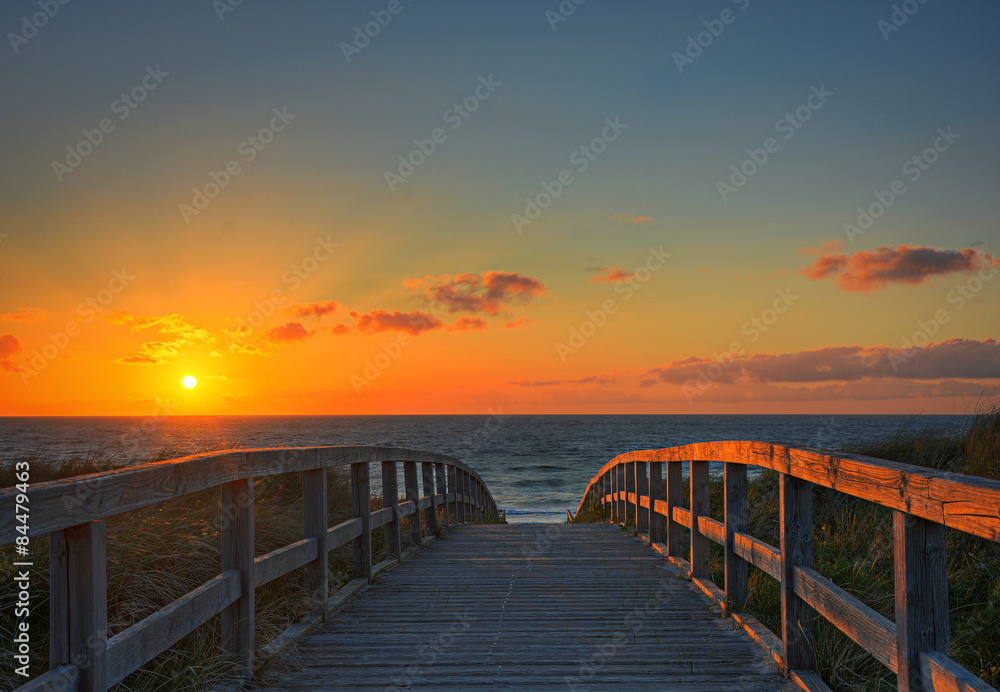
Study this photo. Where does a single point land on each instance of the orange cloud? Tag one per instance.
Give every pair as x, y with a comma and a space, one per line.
24, 315
318, 309
611, 274
825, 248
628, 218
9, 347
519, 322
290, 333
868, 271
467, 323
487, 293
376, 321
590, 379
157, 352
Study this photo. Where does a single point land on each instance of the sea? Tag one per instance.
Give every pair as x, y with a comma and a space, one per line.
536, 466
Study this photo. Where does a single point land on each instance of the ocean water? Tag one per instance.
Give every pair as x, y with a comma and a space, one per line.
537, 467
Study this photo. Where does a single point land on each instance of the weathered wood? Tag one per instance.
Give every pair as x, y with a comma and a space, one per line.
809, 680
314, 525
615, 508
65, 678
412, 490
390, 500
442, 489
872, 632
675, 498
343, 532
382, 517
88, 602
58, 600
920, 550
641, 489
238, 620
459, 489
453, 494
655, 491
149, 637
712, 529
361, 548
631, 506
430, 514
737, 520
759, 554
941, 674
700, 553
797, 617
270, 566
682, 516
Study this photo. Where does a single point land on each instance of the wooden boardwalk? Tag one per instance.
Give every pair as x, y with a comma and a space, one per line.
529, 606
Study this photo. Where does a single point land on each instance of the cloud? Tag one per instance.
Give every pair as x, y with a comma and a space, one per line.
825, 248
487, 293
376, 321
24, 315
610, 274
318, 309
9, 347
467, 323
339, 329
590, 379
862, 390
868, 271
953, 358
519, 322
290, 333
152, 353
172, 325
628, 218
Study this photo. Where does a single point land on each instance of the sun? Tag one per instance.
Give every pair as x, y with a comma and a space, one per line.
189, 382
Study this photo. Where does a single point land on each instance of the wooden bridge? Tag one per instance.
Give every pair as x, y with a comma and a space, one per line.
583, 606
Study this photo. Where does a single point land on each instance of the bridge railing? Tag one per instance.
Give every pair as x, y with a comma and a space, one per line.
925, 502
71, 512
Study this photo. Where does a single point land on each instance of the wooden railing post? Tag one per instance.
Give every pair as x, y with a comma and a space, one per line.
655, 488
620, 475
641, 488
737, 521
452, 478
314, 525
675, 498
442, 490
470, 515
613, 477
430, 514
361, 508
455, 481
630, 514
920, 552
390, 498
237, 554
699, 508
412, 490
87, 601
797, 617
58, 600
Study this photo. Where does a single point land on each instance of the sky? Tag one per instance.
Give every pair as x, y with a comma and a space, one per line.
470, 207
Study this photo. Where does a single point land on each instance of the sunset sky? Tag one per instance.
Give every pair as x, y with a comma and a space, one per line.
475, 206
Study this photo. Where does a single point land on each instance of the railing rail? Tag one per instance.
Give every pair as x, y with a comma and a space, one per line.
71, 512
924, 502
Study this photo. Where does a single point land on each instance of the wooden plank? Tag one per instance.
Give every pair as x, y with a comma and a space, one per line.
315, 577
941, 674
759, 554
615, 516
655, 490
62, 679
412, 491
238, 621
712, 529
442, 489
700, 553
459, 492
343, 532
872, 632
270, 566
407, 508
642, 490
797, 617
140, 643
682, 517
58, 600
809, 680
621, 490
631, 506
430, 514
390, 500
920, 557
361, 548
381, 517
452, 494
737, 520
88, 602
675, 495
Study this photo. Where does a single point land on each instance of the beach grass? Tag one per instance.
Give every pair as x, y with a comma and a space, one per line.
161, 552
853, 547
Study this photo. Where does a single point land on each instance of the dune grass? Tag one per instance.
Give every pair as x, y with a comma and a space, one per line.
853, 546
161, 552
